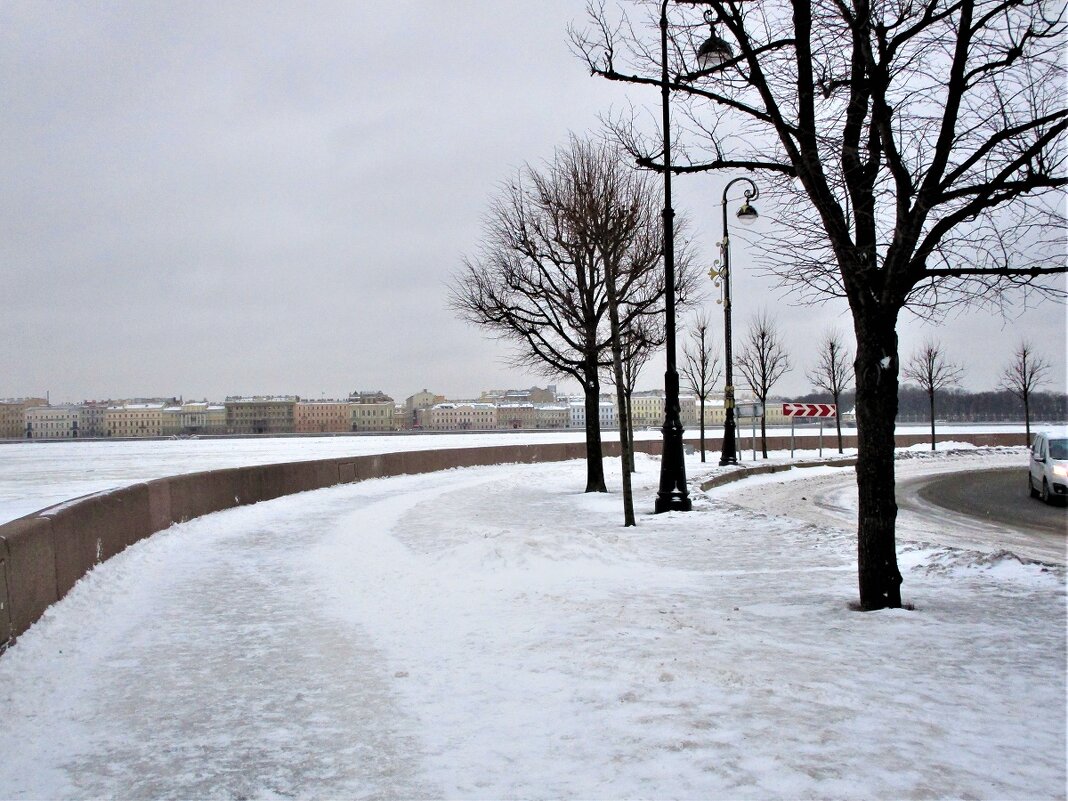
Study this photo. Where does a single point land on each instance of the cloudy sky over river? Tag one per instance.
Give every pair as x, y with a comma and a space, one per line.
234, 198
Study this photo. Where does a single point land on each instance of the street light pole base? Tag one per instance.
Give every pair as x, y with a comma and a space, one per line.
730, 447
673, 495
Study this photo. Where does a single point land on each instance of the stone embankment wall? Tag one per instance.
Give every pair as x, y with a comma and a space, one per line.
43, 554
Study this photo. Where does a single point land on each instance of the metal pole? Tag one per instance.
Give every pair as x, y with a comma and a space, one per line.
673, 495
730, 455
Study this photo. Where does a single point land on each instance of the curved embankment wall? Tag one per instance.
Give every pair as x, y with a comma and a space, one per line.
43, 554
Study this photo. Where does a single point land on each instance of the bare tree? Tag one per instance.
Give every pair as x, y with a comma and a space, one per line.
918, 149
763, 361
833, 373
1025, 373
540, 279
639, 342
928, 368
700, 366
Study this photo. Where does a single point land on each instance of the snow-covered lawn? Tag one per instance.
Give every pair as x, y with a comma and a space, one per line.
496, 633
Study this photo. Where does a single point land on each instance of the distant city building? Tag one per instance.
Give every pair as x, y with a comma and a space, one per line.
516, 415
606, 414
53, 422
261, 414
533, 395
94, 418
135, 419
202, 417
552, 415
687, 410
13, 416
465, 416
647, 407
415, 407
322, 416
171, 423
371, 411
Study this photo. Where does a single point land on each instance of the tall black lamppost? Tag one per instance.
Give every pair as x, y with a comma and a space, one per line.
673, 495
746, 214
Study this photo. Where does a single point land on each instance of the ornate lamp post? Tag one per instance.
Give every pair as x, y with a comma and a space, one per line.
673, 495
746, 214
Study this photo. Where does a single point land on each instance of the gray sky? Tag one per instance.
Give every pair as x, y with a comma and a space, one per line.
205, 199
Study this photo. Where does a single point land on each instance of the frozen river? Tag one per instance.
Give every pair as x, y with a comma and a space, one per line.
34, 475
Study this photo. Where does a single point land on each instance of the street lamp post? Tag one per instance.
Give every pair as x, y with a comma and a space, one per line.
746, 214
673, 495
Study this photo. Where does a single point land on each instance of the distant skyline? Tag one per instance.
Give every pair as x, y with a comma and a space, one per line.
238, 198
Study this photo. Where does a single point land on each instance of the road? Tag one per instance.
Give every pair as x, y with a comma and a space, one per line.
992, 505
994, 496
972, 502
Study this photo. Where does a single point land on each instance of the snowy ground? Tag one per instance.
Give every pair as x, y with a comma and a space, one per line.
495, 633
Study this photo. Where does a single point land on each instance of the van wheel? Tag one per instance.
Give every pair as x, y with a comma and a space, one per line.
1046, 497
1031, 487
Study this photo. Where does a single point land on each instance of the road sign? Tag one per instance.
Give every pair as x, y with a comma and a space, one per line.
809, 410
748, 410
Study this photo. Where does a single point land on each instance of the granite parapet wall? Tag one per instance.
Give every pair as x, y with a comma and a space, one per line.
44, 554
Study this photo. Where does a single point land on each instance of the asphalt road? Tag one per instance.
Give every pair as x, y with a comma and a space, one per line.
996, 496
995, 500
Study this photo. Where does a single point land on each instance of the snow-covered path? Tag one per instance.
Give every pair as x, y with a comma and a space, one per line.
493, 632
828, 496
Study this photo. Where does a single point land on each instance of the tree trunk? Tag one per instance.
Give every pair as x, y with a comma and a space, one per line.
702, 413
763, 431
930, 396
594, 453
630, 432
838, 425
1027, 417
626, 439
877, 383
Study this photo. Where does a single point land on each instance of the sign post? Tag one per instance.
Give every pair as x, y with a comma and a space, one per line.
817, 410
752, 411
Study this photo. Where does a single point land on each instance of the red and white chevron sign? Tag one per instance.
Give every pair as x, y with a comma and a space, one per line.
809, 410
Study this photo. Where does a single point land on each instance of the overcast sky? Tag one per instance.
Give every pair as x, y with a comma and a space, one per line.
207, 199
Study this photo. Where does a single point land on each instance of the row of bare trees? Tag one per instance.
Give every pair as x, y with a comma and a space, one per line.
570, 272
763, 360
918, 150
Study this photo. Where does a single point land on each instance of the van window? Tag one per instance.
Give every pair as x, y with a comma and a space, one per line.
1058, 448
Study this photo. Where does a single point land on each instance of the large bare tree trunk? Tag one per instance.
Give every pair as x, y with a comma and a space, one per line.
594, 452
877, 383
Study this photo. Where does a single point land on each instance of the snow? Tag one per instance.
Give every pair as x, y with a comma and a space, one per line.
34, 475
496, 633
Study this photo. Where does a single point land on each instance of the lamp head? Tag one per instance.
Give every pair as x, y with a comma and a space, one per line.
747, 214
715, 50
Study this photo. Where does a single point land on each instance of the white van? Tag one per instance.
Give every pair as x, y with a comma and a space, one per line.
1048, 475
